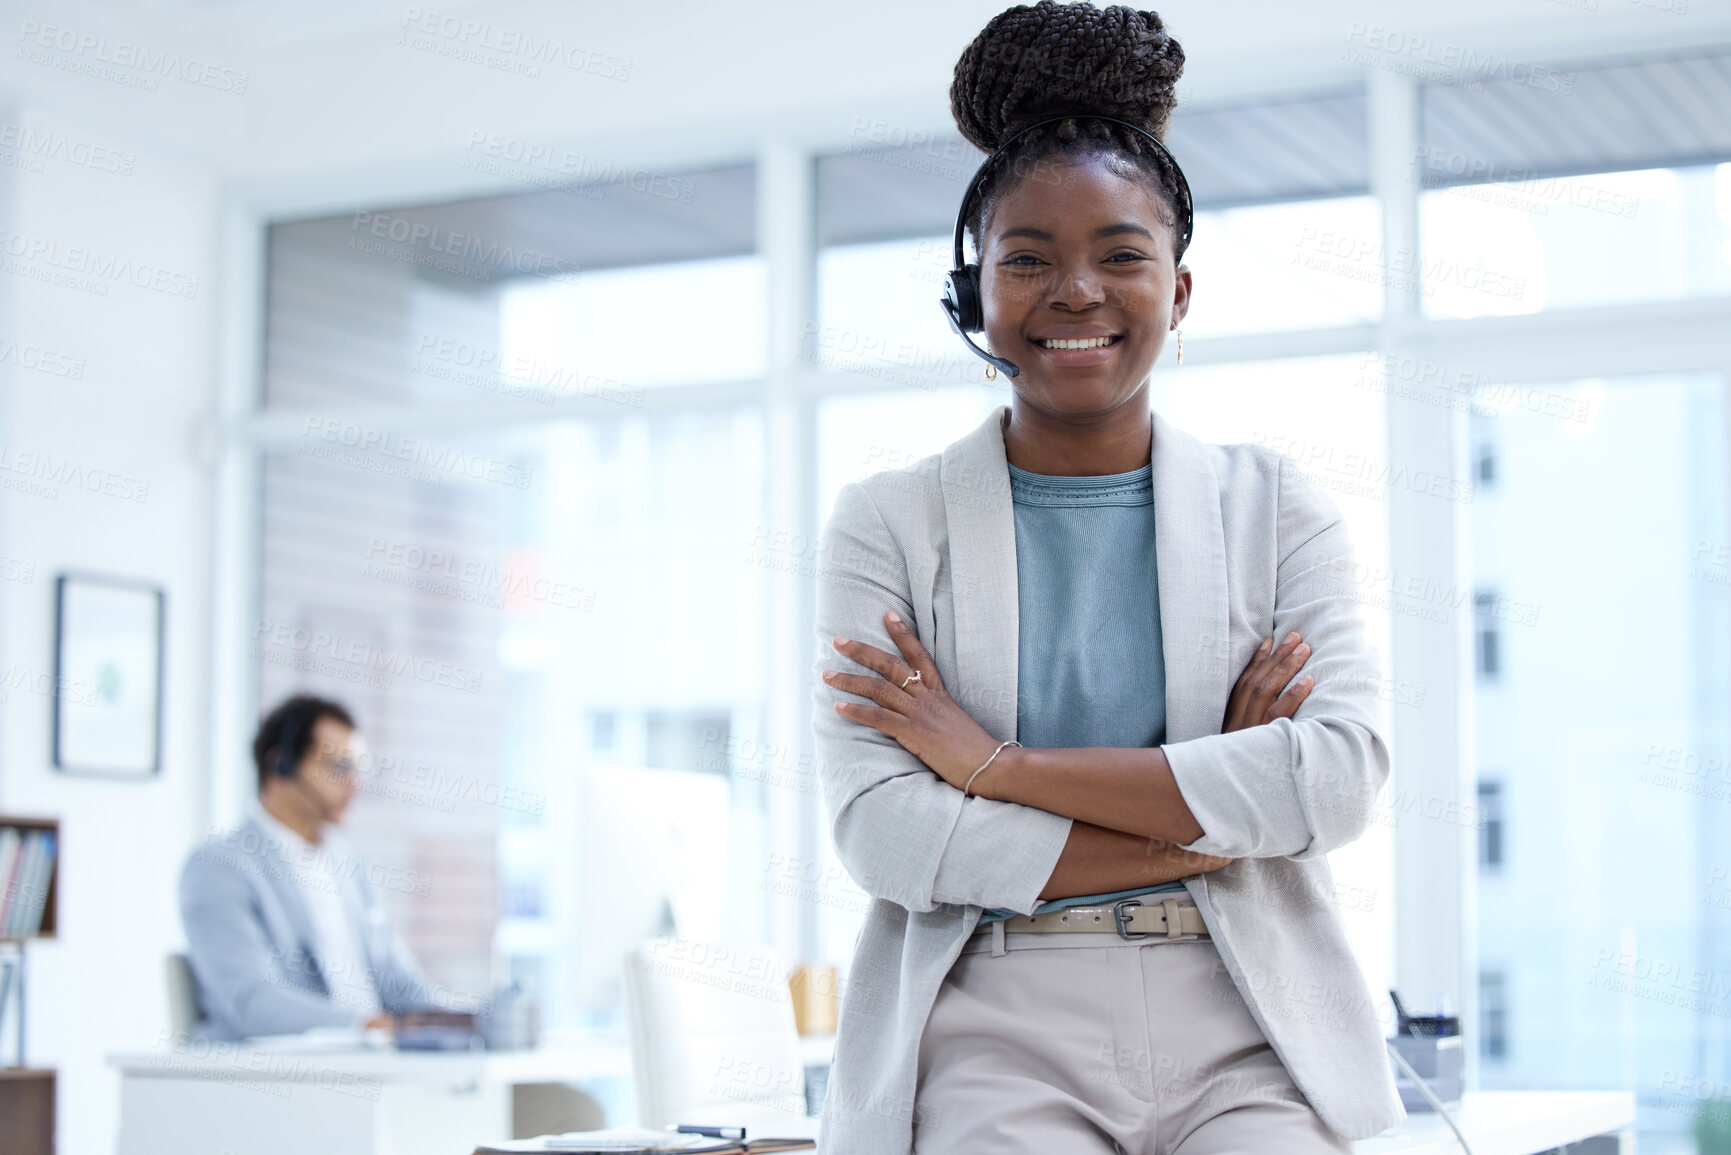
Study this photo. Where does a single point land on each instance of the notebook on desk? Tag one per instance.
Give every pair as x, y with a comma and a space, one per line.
640, 1141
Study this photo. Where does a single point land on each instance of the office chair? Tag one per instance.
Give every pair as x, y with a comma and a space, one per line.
552, 1109
185, 1000
713, 1037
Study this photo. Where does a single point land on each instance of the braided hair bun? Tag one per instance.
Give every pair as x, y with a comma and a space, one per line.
1032, 63
1049, 59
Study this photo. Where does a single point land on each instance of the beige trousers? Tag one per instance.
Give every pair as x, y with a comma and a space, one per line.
1076, 1044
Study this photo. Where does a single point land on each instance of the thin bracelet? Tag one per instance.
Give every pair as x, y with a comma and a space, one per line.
987, 762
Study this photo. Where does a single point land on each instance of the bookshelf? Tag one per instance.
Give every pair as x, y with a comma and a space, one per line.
30, 854
26, 1111
19, 886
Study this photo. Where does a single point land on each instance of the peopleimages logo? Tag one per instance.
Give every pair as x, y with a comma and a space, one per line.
1360, 473
358, 654
577, 167
1453, 61
442, 460
409, 564
94, 263
43, 144
467, 363
23, 467
447, 34
468, 254
82, 51
35, 357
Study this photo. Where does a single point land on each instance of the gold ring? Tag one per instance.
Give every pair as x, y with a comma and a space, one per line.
913, 677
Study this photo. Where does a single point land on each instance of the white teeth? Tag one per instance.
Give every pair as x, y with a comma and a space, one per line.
1076, 343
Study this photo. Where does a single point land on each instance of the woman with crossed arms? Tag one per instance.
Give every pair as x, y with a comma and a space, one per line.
1062, 744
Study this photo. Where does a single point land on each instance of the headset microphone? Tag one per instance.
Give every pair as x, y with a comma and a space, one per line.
961, 301
965, 288
319, 804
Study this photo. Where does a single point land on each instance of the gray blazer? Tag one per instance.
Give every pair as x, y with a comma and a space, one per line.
250, 941
1246, 548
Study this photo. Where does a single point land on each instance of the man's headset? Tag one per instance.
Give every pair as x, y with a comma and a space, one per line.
290, 748
961, 301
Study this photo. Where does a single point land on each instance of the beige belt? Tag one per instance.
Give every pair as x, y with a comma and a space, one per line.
1128, 918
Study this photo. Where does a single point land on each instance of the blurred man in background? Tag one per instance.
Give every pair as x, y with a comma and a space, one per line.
285, 928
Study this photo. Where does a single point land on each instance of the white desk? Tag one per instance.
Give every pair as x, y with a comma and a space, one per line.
1511, 1123
229, 1097
233, 1097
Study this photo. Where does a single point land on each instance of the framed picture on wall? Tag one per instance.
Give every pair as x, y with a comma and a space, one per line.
107, 676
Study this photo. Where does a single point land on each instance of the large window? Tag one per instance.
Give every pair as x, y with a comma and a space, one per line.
1602, 559
644, 661
623, 330
1571, 241
547, 619
1266, 268
878, 316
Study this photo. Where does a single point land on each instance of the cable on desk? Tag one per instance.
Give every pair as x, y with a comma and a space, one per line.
1430, 1096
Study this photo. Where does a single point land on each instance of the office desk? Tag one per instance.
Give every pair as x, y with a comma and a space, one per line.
1515, 1123
233, 1097
230, 1097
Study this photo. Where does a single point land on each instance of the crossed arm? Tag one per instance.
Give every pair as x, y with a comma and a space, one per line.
1130, 820
1046, 823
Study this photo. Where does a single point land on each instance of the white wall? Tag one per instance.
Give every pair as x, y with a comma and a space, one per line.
145, 358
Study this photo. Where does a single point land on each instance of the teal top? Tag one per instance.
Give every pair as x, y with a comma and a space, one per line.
1090, 668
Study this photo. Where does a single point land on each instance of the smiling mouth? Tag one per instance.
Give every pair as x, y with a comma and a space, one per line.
1079, 342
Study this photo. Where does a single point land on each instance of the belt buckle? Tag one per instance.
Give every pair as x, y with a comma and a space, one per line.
1119, 914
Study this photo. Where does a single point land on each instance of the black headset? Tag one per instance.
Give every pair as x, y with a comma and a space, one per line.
961, 300
291, 744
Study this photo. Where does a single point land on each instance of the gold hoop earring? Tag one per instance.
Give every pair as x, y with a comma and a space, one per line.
991, 372
1181, 346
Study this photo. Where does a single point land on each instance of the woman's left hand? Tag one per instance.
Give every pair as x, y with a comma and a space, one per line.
922, 717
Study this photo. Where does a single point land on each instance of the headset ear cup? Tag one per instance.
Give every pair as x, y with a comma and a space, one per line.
961, 300
971, 313
289, 750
